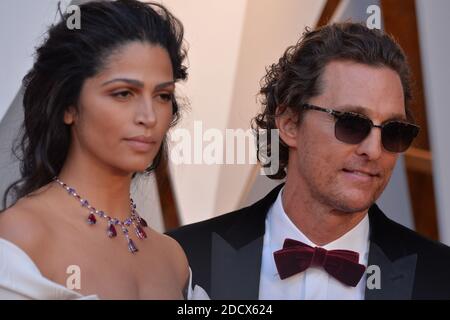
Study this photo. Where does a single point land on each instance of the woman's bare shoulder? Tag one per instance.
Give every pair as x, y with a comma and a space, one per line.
175, 254
22, 225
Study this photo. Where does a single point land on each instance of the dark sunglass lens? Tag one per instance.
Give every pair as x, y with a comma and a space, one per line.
398, 136
352, 128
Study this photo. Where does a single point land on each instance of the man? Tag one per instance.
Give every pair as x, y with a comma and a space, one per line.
339, 99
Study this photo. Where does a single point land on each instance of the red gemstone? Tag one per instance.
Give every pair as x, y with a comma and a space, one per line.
132, 247
143, 222
140, 233
91, 219
112, 231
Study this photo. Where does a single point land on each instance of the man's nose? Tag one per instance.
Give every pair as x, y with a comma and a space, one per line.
371, 146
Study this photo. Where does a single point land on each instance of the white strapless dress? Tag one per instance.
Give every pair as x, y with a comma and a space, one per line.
21, 279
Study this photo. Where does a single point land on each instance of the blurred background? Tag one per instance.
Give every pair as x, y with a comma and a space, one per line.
230, 44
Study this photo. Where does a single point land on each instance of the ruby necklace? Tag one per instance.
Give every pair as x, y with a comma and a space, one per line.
137, 221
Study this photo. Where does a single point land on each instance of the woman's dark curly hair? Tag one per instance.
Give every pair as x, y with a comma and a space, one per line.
64, 61
296, 77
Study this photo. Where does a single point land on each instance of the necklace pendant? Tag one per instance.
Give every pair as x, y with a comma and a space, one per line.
143, 222
140, 232
111, 231
132, 247
91, 219
113, 223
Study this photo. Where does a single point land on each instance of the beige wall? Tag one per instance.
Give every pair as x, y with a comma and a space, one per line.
269, 28
231, 43
213, 31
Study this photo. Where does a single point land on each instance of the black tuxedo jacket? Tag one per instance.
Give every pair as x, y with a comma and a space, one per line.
225, 255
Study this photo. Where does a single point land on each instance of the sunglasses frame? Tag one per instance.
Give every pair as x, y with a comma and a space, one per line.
338, 114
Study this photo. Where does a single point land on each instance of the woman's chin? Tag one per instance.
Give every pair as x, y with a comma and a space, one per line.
133, 168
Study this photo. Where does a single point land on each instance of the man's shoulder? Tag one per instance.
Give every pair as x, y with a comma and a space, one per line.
424, 245
202, 229
413, 242
245, 219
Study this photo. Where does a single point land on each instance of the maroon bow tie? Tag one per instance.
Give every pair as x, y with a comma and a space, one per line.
297, 256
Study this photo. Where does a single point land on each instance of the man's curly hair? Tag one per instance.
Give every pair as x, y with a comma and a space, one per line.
296, 77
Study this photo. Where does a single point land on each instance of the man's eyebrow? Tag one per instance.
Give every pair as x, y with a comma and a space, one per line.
368, 113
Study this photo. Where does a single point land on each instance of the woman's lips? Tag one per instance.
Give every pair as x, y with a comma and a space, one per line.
141, 144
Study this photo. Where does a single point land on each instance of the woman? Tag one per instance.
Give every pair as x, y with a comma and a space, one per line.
97, 104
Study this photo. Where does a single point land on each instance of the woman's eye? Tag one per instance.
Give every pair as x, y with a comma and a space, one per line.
166, 97
122, 94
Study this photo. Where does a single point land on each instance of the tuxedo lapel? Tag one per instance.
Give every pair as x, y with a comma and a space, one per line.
396, 277
235, 272
395, 268
236, 253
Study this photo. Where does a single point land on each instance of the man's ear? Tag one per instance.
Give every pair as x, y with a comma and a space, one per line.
287, 124
70, 115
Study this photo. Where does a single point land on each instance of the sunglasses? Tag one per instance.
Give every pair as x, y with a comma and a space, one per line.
353, 128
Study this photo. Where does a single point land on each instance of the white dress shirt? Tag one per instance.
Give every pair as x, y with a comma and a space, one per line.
314, 282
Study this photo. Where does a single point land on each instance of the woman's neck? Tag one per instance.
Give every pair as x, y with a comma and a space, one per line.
105, 189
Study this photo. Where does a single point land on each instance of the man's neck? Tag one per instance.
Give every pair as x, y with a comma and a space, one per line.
319, 223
